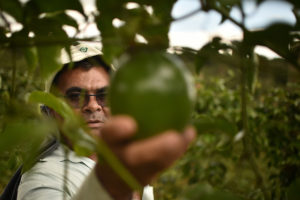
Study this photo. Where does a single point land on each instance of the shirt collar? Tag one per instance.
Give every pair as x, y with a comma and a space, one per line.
62, 153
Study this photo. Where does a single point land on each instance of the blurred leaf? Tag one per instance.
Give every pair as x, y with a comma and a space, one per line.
224, 7
5, 97
104, 153
28, 132
205, 124
19, 38
83, 143
59, 105
31, 58
162, 11
49, 38
12, 7
205, 4
49, 59
206, 192
111, 52
230, 2
27, 135
113, 43
215, 51
72, 125
295, 3
104, 21
277, 37
2, 34
57, 5
155, 27
293, 190
63, 18
50, 28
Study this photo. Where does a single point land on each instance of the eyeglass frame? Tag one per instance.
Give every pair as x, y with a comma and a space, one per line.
83, 94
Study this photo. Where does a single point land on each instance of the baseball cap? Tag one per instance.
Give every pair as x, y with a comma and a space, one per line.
75, 53
79, 52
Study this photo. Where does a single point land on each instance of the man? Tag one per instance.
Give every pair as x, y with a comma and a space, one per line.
72, 177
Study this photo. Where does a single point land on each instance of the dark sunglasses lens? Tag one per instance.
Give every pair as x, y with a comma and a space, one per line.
77, 99
101, 99
73, 99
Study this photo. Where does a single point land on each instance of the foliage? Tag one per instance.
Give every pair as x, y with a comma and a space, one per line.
219, 159
247, 112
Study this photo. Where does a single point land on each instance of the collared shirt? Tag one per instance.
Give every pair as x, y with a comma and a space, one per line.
61, 176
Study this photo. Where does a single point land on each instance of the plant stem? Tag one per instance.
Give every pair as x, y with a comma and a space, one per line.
266, 43
14, 72
187, 15
247, 140
225, 14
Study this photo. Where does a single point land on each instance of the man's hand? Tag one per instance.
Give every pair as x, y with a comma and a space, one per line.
144, 158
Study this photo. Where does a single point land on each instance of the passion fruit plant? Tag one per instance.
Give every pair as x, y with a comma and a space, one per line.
247, 109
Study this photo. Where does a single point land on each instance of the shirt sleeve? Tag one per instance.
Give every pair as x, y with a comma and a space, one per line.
148, 193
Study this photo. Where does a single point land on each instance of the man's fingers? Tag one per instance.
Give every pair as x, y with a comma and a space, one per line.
118, 129
189, 134
158, 152
145, 158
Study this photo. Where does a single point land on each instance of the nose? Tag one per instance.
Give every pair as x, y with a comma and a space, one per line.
91, 105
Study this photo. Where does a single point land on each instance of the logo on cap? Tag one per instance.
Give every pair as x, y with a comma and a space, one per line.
83, 49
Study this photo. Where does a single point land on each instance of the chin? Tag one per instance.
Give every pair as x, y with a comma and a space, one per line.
96, 131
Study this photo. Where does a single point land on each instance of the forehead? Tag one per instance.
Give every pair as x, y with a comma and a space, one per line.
90, 79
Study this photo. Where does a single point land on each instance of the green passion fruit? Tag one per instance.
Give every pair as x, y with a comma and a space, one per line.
156, 89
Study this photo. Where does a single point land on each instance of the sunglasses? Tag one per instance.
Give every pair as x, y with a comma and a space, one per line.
78, 97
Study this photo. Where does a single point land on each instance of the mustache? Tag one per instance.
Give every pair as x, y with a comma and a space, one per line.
94, 117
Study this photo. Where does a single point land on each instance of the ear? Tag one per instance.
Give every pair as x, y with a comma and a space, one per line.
49, 112
46, 110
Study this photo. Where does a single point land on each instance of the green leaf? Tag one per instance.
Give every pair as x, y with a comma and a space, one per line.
57, 5
50, 28
110, 52
104, 153
293, 190
295, 3
230, 2
113, 43
210, 54
277, 37
206, 192
206, 123
49, 60
31, 58
72, 125
57, 104
12, 7
63, 19
153, 27
83, 143
23, 132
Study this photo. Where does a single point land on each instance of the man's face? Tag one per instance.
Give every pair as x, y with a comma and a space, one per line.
90, 87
